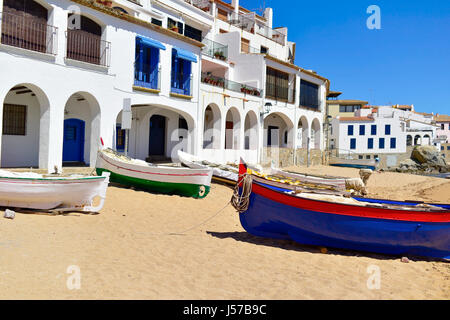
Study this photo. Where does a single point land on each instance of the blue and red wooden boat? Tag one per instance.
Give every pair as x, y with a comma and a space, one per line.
395, 229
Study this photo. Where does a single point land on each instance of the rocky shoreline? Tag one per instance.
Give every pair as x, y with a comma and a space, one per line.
425, 160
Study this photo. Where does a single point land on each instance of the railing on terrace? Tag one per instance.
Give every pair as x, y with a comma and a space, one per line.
231, 85
271, 34
86, 47
215, 50
27, 33
243, 22
204, 5
248, 23
279, 93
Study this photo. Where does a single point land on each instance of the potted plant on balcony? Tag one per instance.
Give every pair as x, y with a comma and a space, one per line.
174, 29
220, 83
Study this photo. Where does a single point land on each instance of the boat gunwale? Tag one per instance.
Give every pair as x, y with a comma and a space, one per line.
204, 172
436, 213
50, 179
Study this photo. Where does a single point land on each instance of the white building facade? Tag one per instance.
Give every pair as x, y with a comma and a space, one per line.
69, 67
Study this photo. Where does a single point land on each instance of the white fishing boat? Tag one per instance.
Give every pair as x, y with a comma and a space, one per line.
221, 172
314, 180
186, 182
58, 193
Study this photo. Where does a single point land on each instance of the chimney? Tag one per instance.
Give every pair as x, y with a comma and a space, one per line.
268, 14
235, 4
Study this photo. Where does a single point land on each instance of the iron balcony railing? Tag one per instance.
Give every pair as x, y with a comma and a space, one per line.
271, 34
86, 47
280, 93
181, 85
28, 33
204, 5
215, 50
248, 23
230, 85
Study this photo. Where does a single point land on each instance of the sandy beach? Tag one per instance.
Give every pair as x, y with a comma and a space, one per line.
129, 251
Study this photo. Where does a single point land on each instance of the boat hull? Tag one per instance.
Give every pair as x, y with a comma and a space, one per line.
163, 180
271, 214
53, 194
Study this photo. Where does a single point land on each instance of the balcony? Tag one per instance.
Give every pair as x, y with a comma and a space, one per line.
86, 47
280, 93
247, 22
204, 5
215, 50
230, 85
28, 33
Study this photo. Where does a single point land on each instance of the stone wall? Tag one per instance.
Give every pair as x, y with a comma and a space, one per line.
284, 157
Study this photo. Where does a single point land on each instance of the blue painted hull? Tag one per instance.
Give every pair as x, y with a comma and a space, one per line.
273, 219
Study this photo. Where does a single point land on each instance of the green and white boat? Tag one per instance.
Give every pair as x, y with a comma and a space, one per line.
181, 181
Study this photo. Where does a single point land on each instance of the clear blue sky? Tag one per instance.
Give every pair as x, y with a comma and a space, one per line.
406, 62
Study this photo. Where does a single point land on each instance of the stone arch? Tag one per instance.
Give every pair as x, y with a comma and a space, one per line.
232, 129
315, 134
251, 131
277, 127
426, 140
212, 127
409, 140
178, 134
83, 106
303, 132
25, 112
417, 140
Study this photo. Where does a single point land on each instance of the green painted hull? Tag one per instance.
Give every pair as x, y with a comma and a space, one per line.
181, 189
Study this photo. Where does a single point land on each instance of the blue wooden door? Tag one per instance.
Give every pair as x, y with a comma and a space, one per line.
157, 135
73, 149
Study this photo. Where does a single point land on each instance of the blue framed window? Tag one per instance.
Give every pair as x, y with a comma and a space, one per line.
352, 144
381, 143
393, 143
120, 138
373, 129
181, 71
146, 67
370, 143
387, 129
350, 130
362, 130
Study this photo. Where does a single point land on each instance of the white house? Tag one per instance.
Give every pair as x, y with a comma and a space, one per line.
69, 66
369, 133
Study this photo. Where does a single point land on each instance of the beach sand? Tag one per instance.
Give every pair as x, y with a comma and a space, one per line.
127, 252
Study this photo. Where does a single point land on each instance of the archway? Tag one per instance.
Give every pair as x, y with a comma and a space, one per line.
232, 129
82, 121
417, 140
25, 127
315, 134
426, 140
251, 131
278, 128
409, 140
212, 127
302, 133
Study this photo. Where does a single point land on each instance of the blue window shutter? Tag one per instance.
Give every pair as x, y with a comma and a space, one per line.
174, 70
154, 61
187, 77
350, 130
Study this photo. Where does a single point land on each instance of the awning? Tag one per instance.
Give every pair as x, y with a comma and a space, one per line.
186, 55
151, 43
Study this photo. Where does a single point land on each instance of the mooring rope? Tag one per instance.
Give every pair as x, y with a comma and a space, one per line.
241, 201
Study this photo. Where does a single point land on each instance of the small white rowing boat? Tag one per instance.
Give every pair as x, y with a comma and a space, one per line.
59, 193
186, 182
